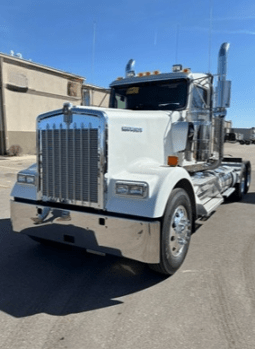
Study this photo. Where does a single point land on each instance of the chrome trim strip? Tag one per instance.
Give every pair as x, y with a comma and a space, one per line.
76, 110
130, 238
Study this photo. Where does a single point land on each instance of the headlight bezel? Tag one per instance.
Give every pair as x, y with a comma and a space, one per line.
27, 179
138, 190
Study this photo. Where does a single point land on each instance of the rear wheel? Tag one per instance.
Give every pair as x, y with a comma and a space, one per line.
247, 176
175, 232
240, 188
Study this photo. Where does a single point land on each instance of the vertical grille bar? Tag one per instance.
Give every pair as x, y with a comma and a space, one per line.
81, 145
47, 161
53, 163
60, 164
89, 129
74, 163
66, 176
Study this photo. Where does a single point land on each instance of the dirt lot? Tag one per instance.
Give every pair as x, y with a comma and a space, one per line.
54, 298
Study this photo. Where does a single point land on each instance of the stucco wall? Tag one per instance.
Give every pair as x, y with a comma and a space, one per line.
99, 98
30, 91
26, 140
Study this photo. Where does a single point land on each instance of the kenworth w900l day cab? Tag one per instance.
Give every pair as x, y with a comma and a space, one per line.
132, 180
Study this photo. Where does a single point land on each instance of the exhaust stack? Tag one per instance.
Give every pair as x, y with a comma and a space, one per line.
222, 61
224, 86
130, 72
222, 102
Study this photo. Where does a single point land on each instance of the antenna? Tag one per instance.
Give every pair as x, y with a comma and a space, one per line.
177, 43
93, 51
155, 37
210, 36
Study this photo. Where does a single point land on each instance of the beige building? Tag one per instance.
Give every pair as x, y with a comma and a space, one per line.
28, 89
95, 96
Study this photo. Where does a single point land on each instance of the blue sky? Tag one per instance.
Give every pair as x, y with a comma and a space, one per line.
95, 39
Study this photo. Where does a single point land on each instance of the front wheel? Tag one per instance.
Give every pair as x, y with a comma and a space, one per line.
175, 232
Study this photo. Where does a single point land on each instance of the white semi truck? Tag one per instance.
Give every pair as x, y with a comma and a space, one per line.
132, 180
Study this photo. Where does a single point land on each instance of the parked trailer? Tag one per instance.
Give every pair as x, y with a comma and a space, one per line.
132, 180
247, 133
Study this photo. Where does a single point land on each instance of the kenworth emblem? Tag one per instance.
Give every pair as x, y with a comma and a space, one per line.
131, 129
67, 111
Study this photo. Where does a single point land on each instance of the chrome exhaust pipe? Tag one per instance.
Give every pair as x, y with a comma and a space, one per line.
222, 61
223, 87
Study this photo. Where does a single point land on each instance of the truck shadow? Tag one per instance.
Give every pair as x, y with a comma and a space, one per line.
60, 281
248, 198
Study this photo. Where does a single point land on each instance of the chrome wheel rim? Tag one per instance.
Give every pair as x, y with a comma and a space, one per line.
248, 180
180, 229
243, 184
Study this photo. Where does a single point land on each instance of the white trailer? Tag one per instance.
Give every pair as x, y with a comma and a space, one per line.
247, 135
132, 180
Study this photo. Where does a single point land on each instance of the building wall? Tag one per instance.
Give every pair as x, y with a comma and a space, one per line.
95, 96
28, 91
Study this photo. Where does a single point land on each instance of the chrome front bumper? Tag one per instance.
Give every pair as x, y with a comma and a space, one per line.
130, 238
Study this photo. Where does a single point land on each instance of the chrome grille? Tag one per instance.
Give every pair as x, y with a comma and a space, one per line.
69, 164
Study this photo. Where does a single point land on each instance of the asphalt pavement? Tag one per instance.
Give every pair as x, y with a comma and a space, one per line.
66, 298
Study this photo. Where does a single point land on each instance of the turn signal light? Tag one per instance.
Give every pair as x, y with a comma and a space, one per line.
172, 161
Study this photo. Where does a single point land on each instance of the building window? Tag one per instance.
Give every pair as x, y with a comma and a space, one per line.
86, 97
72, 89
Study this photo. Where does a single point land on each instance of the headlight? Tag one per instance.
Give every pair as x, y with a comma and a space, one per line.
27, 179
21, 178
135, 189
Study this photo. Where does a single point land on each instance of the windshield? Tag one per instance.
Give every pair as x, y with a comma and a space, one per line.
156, 95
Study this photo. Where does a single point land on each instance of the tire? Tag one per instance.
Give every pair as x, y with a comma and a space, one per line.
242, 142
240, 188
176, 230
247, 176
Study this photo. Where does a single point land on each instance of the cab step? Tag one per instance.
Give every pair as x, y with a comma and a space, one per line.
212, 205
228, 192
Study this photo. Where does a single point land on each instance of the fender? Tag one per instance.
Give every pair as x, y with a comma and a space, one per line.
161, 181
